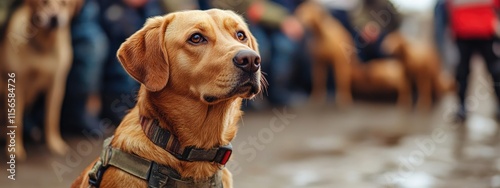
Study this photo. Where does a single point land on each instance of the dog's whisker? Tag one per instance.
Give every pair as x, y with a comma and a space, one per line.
264, 84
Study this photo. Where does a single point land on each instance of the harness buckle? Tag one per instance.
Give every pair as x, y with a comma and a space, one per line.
223, 154
156, 178
96, 173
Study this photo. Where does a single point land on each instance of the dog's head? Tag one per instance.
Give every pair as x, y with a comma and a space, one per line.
394, 44
51, 14
310, 13
210, 55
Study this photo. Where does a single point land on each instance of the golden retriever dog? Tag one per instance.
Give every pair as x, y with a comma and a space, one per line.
331, 44
195, 68
423, 66
37, 49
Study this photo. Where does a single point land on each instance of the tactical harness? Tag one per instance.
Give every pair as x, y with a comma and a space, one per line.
157, 175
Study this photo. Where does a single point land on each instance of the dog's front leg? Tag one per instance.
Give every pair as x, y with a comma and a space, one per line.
424, 87
319, 82
405, 94
53, 105
342, 76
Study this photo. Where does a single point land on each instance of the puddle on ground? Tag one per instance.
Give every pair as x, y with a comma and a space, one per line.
302, 178
480, 128
418, 180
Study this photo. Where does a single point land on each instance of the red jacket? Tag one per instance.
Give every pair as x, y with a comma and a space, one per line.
473, 19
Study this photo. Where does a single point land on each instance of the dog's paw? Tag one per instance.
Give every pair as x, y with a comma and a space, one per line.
58, 146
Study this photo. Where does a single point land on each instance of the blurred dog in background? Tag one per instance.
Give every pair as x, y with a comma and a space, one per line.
332, 44
37, 48
327, 46
423, 66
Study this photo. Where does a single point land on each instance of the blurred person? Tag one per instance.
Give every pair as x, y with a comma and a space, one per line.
442, 38
475, 26
90, 49
440, 23
120, 19
372, 20
278, 33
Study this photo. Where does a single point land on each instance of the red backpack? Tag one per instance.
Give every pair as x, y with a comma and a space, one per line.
473, 19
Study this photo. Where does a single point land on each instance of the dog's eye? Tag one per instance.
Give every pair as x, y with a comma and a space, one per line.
45, 2
197, 38
63, 3
241, 36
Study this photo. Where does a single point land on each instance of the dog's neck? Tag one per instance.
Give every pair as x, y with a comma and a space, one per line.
317, 29
193, 122
41, 37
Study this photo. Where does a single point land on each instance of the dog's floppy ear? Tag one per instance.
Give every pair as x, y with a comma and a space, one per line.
144, 54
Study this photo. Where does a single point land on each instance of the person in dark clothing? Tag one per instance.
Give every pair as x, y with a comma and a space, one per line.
120, 19
90, 48
473, 24
371, 22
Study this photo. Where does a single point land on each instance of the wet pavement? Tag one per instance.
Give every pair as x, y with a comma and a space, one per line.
367, 145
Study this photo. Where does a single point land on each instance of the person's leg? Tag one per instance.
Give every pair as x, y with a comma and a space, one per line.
465, 48
281, 68
89, 52
493, 65
440, 22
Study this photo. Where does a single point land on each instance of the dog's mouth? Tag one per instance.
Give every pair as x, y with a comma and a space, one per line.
247, 88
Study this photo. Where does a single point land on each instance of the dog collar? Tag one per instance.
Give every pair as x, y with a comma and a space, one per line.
169, 142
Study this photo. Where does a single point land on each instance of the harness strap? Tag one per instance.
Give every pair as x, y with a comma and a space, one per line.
157, 176
129, 163
169, 142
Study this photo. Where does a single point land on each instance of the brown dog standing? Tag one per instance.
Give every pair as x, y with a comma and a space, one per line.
37, 49
331, 44
422, 65
195, 68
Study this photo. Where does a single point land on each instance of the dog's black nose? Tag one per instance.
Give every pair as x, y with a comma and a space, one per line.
247, 60
53, 22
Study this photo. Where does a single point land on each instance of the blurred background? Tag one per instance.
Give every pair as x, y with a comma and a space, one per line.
297, 133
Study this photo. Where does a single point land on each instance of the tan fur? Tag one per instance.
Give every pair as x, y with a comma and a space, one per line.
176, 76
383, 76
329, 45
423, 66
40, 57
332, 44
